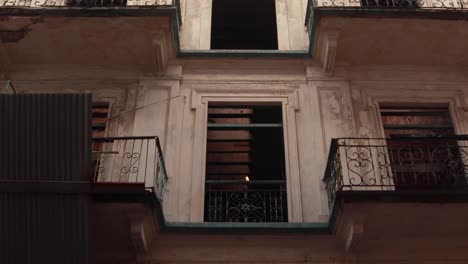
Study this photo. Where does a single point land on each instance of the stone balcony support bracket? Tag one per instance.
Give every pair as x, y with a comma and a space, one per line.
353, 234
141, 236
331, 45
159, 52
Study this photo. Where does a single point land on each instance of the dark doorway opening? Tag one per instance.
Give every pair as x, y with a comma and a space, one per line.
245, 171
244, 24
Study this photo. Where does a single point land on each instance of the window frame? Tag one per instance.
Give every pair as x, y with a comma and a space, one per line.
289, 105
276, 188
446, 102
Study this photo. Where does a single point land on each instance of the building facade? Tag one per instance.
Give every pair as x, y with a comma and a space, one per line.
266, 131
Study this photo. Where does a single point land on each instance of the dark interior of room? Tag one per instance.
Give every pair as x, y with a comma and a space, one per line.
245, 170
244, 24
255, 149
267, 145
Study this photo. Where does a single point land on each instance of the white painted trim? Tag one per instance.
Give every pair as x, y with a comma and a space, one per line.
288, 98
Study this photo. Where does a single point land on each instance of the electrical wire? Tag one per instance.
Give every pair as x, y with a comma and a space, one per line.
141, 107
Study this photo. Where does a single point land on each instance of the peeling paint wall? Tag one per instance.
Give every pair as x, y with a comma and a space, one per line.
337, 117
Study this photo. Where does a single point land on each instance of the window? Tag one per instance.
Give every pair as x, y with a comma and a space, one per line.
417, 121
100, 114
244, 24
422, 150
245, 173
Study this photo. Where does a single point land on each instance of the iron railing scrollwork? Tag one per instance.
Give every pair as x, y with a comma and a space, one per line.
384, 4
90, 3
239, 201
333, 175
407, 163
130, 160
160, 178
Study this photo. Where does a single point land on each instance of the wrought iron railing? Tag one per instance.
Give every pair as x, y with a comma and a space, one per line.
406, 163
385, 4
130, 160
89, 3
355, 6
241, 201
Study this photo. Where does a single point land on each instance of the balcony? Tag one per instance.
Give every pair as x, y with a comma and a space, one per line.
408, 164
399, 186
88, 39
88, 3
388, 32
129, 164
246, 201
128, 176
400, 4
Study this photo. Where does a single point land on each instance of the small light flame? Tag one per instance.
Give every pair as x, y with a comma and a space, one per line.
247, 178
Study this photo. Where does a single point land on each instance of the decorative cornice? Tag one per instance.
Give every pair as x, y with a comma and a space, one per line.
288, 94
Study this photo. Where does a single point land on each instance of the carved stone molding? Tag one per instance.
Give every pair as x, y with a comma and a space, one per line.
289, 94
143, 231
355, 233
376, 93
334, 103
351, 234
158, 40
316, 73
331, 45
138, 239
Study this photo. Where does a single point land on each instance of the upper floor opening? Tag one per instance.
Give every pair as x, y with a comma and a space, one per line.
244, 24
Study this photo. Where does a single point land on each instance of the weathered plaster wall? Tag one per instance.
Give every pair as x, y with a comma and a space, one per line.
372, 86
317, 107
278, 249
241, 81
195, 33
151, 104
383, 238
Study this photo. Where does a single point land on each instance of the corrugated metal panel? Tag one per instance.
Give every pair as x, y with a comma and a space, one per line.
44, 138
41, 228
